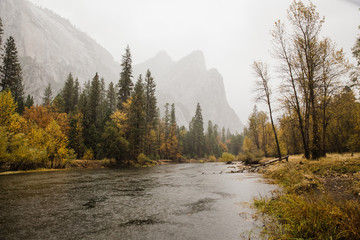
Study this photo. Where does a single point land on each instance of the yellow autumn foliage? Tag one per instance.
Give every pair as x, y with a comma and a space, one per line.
7, 108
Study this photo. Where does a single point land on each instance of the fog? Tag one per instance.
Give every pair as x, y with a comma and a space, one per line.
231, 34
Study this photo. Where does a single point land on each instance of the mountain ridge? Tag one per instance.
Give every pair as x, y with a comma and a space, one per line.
188, 81
50, 47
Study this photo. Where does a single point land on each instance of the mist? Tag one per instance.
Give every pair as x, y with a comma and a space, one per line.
231, 35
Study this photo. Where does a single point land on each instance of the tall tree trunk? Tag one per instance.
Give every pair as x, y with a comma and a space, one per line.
276, 138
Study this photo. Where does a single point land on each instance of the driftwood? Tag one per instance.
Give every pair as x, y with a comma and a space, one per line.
276, 159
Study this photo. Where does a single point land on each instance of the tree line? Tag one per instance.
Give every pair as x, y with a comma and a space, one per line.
320, 109
119, 121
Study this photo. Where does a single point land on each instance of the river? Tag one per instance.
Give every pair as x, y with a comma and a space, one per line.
182, 201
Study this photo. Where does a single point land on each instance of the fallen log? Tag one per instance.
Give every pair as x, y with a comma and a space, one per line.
276, 160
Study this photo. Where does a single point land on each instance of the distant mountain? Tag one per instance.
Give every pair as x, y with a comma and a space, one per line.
187, 82
50, 47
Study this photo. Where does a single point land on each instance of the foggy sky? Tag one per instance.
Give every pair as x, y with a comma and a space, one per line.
231, 33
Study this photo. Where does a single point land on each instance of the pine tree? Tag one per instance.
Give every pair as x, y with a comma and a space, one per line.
29, 101
95, 99
223, 137
89, 105
212, 147
137, 119
68, 93
76, 140
11, 73
47, 95
173, 141
125, 84
102, 109
198, 127
151, 113
76, 92
150, 99
111, 98
167, 120
172, 115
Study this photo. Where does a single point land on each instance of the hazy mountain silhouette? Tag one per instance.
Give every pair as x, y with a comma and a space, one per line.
50, 47
187, 82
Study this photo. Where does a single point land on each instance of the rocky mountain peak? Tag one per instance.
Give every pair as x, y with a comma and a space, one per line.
187, 82
163, 56
194, 60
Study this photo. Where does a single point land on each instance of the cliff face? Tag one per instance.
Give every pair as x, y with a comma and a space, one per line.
50, 47
187, 82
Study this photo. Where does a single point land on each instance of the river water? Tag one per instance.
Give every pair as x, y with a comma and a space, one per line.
183, 201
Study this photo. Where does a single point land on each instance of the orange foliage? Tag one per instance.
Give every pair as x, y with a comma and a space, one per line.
38, 114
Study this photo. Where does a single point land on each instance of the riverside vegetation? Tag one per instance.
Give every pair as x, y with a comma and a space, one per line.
317, 199
320, 192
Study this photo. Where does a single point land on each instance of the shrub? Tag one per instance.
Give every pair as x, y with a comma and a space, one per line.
212, 158
143, 160
88, 155
108, 162
227, 157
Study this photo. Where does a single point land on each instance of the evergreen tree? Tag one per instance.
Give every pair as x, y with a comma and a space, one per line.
167, 120
198, 128
111, 98
95, 99
102, 109
173, 144
76, 92
150, 99
172, 115
68, 93
113, 143
76, 139
58, 104
47, 95
84, 102
151, 113
223, 137
137, 119
11, 73
164, 132
29, 101
212, 147
125, 83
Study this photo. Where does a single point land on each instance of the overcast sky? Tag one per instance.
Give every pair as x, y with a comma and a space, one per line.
231, 33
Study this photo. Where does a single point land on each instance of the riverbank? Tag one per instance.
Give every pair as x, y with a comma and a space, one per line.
319, 199
74, 164
105, 163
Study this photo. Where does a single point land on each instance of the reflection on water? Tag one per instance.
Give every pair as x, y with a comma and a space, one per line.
184, 201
